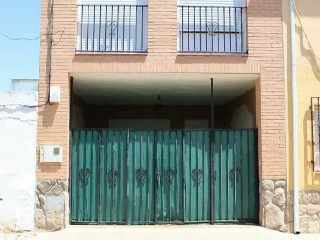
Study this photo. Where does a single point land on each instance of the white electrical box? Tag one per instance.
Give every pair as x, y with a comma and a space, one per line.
54, 94
51, 153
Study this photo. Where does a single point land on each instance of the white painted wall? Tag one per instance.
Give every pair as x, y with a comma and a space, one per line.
241, 118
18, 132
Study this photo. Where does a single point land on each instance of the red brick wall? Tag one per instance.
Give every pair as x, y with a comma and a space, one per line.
264, 58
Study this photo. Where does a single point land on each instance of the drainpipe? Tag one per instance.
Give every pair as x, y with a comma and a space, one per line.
294, 121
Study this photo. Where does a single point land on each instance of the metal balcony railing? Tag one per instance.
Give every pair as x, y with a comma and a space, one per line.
208, 29
112, 28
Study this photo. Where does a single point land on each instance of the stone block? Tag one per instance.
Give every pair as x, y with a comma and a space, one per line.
266, 198
55, 220
44, 186
279, 198
40, 219
313, 226
313, 209
280, 184
302, 209
267, 185
274, 217
315, 198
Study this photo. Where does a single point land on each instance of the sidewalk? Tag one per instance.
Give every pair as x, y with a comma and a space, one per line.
166, 232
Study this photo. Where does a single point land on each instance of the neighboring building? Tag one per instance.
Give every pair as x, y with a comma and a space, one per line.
307, 21
18, 128
23, 85
146, 65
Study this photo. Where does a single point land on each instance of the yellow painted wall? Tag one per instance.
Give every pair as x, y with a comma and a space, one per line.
308, 85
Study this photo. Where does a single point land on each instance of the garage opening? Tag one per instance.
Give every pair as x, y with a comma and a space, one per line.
144, 150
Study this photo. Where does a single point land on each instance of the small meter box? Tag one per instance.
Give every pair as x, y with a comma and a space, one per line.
51, 153
54, 95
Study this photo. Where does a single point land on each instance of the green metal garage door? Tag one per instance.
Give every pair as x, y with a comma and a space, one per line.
150, 177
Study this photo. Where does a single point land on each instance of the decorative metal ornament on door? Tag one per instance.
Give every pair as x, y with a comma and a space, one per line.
112, 177
141, 176
170, 175
85, 174
197, 175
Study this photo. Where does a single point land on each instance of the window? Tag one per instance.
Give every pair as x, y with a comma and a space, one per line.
315, 107
112, 26
212, 26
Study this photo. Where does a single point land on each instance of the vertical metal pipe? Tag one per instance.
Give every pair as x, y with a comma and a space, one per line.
94, 26
99, 27
184, 176
112, 187
155, 176
235, 29
200, 29
241, 26
206, 19
188, 29
127, 176
141, 167
228, 185
294, 121
134, 177
105, 29
230, 37
176, 163
142, 27
169, 156
242, 165
224, 29
71, 148
248, 166
117, 39
194, 29
181, 49
218, 19
212, 160
136, 30
129, 29
99, 172
163, 177
88, 23
234, 150
120, 162
81, 26
197, 168
111, 29
220, 179
203, 175
148, 177
84, 179
79, 182
123, 26
189, 180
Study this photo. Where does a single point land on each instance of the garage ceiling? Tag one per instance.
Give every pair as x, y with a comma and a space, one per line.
178, 89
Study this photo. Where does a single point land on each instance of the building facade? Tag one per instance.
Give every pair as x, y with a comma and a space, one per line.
18, 126
195, 151
307, 81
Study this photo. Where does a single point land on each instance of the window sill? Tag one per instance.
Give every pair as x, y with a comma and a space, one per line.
211, 54
109, 53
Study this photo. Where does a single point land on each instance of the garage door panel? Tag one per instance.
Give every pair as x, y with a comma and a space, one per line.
162, 176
